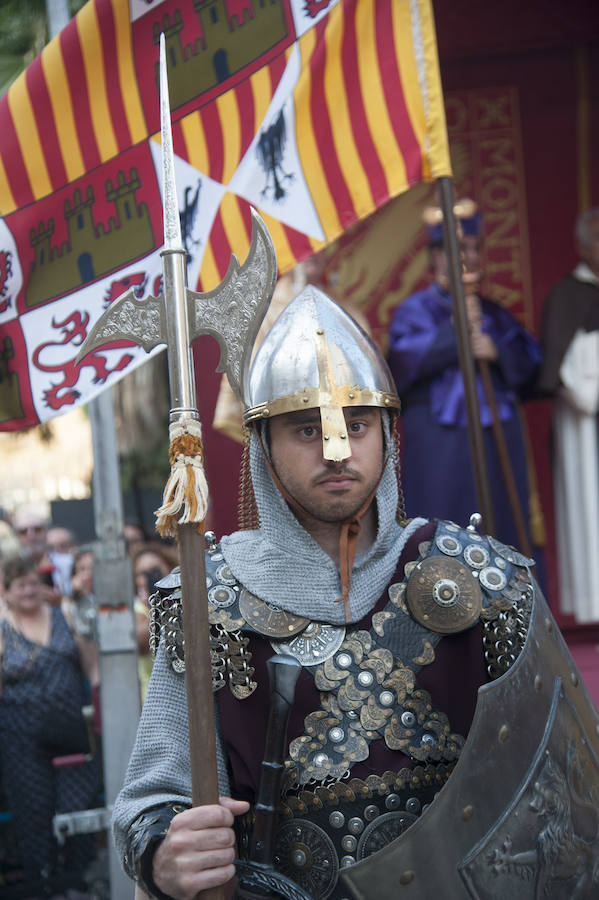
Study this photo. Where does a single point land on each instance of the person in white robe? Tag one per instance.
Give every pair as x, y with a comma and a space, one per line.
570, 374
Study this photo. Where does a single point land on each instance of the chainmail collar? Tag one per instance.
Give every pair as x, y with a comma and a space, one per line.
283, 565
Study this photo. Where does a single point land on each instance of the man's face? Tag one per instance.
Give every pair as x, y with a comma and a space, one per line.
470, 255
589, 251
59, 540
329, 491
32, 533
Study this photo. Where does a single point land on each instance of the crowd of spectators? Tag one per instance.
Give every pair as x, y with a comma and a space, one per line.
50, 672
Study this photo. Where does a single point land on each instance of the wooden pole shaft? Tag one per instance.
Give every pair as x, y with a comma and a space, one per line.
504, 460
475, 433
198, 675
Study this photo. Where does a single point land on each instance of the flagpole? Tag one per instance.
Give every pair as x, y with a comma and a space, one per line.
462, 329
115, 622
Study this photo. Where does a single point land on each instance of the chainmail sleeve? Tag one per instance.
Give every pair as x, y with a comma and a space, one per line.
158, 775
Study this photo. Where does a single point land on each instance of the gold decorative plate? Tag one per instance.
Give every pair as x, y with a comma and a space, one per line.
443, 595
270, 620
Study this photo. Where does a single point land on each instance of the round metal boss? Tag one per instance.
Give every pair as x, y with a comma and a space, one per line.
493, 579
306, 854
476, 556
222, 596
225, 575
443, 595
448, 545
446, 592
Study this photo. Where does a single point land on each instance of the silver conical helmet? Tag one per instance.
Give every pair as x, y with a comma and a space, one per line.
316, 355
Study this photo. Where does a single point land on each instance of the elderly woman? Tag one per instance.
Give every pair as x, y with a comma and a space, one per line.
43, 690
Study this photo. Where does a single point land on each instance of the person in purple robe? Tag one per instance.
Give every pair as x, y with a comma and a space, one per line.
423, 357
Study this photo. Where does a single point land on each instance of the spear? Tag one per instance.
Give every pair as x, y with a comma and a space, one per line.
232, 313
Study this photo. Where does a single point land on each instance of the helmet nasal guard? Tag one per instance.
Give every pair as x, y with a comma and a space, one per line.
316, 356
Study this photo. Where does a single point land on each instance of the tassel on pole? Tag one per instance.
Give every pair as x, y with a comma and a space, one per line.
185, 497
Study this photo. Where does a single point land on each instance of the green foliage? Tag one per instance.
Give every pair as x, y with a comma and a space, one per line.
23, 35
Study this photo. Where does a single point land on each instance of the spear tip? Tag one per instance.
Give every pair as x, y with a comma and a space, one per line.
172, 224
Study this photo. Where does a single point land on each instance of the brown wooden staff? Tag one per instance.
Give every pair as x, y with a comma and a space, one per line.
471, 285
462, 327
460, 284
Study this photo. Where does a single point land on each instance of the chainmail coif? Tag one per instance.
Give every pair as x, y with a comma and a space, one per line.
283, 565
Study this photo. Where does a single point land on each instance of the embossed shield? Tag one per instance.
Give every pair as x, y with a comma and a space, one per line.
519, 816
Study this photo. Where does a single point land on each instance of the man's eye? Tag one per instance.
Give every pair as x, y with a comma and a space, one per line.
308, 431
357, 427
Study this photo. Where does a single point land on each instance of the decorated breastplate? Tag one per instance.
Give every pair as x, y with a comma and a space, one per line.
367, 678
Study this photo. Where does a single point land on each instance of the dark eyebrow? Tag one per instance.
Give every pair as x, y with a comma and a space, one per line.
358, 412
304, 416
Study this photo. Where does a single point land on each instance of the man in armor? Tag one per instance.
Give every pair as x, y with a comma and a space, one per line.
396, 624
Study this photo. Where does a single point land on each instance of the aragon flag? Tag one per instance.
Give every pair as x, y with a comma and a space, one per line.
316, 112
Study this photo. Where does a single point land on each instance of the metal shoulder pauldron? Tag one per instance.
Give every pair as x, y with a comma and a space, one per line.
462, 577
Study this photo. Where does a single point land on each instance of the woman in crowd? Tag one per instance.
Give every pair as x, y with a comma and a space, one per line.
43, 690
151, 562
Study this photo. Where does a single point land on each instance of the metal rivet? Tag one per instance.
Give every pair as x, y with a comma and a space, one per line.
392, 801
355, 825
467, 813
321, 759
342, 436
298, 858
387, 698
347, 861
351, 395
371, 812
337, 819
344, 660
413, 805
336, 734
574, 679
365, 679
348, 843
538, 683
320, 331
504, 733
408, 719
407, 877
265, 413
305, 399
326, 437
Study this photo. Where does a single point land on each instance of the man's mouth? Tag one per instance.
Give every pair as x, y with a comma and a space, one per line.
340, 480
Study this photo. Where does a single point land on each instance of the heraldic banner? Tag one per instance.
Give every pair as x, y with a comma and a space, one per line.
316, 113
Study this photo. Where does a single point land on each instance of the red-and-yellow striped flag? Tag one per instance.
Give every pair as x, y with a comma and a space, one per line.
315, 112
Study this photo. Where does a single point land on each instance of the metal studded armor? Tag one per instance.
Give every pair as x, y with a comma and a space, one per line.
528, 766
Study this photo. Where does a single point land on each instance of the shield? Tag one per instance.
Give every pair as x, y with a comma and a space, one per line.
519, 816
